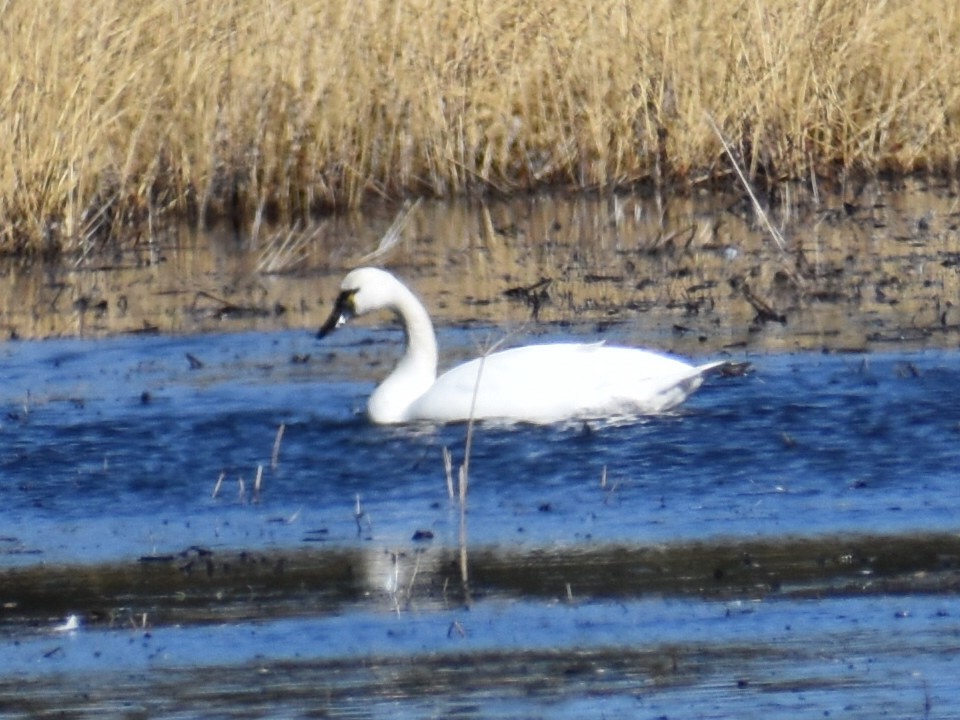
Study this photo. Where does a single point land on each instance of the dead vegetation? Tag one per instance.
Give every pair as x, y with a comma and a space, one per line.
116, 117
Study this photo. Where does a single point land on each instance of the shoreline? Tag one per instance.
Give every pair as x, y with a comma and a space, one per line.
693, 274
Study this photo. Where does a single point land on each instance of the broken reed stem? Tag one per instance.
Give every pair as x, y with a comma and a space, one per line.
758, 208
448, 471
464, 566
394, 585
216, 488
471, 421
413, 576
392, 236
465, 467
358, 515
275, 455
465, 480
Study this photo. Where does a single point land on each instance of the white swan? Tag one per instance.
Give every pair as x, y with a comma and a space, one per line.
535, 383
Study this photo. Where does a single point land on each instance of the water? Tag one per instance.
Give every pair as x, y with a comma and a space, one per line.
113, 449
126, 467
228, 537
637, 659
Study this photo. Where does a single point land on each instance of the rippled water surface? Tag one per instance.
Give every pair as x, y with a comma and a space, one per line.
114, 448
130, 466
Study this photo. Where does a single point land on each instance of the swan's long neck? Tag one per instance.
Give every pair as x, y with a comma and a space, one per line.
417, 369
421, 341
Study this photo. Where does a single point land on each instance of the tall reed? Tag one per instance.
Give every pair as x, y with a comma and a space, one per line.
117, 116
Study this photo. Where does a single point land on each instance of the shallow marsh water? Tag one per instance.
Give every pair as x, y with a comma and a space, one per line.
787, 542
785, 545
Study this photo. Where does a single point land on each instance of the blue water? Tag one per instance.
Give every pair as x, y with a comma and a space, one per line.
854, 658
112, 449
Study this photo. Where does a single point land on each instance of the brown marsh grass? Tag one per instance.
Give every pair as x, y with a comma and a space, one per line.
116, 117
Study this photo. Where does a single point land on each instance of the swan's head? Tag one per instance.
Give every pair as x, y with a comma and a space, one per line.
363, 290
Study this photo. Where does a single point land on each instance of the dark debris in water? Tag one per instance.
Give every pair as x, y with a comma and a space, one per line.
200, 585
535, 296
462, 685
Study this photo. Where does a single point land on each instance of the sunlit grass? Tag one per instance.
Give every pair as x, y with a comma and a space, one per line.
116, 116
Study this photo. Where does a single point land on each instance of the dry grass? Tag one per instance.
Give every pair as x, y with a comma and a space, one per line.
116, 116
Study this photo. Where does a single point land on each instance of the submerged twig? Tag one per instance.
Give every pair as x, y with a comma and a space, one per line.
765, 313
534, 296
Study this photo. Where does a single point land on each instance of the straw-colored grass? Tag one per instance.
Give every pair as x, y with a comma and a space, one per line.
117, 115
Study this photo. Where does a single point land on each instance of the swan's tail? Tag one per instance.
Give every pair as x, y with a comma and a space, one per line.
724, 368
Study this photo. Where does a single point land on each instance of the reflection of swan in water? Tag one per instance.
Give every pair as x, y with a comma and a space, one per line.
535, 383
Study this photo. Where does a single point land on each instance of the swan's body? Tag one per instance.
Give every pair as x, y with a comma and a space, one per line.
535, 383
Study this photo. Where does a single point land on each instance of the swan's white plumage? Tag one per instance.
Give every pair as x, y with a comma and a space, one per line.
550, 383
535, 383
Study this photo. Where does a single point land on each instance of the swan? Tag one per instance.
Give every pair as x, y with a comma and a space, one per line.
535, 383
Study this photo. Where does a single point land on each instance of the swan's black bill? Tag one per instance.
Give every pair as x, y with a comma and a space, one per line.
343, 310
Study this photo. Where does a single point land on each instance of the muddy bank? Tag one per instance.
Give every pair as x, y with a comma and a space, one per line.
869, 267
857, 626
199, 585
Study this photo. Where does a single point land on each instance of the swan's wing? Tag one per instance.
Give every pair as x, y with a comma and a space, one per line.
546, 383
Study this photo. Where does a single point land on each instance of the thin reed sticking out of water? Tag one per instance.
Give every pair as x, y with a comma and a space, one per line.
758, 208
120, 116
275, 453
